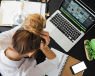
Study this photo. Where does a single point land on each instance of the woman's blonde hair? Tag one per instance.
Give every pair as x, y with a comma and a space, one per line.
27, 38
34, 23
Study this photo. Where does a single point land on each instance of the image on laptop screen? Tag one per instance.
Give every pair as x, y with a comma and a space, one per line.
77, 14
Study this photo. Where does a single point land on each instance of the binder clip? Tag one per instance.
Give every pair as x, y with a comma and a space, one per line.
47, 0
47, 14
43, 0
38, 0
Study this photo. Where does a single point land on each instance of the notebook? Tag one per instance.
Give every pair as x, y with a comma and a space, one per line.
58, 69
16, 11
66, 71
66, 63
69, 23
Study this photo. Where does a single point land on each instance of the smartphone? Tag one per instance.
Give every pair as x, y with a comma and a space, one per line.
78, 67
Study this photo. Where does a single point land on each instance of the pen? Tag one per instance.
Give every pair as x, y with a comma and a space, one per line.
60, 61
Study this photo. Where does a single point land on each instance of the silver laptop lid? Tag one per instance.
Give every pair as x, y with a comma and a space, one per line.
78, 13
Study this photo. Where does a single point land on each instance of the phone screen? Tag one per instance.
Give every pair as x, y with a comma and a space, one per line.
78, 67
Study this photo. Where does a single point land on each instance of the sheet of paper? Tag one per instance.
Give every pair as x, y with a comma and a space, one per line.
1, 14
43, 9
32, 7
14, 6
9, 7
57, 70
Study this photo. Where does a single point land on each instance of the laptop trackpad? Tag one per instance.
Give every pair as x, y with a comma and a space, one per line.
57, 35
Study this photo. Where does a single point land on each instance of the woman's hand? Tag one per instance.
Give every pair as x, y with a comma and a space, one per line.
44, 35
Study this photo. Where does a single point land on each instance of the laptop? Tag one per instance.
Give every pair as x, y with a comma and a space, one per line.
70, 23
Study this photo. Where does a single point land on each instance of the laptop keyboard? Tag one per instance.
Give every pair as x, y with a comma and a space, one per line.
63, 25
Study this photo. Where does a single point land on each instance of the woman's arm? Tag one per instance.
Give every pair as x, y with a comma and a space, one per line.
44, 46
49, 64
52, 60
7, 35
45, 67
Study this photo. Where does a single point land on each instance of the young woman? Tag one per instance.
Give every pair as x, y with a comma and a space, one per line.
25, 41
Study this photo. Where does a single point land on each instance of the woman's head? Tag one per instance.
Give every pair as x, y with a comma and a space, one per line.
28, 39
34, 23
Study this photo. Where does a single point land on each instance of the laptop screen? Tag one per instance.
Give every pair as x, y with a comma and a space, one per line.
79, 15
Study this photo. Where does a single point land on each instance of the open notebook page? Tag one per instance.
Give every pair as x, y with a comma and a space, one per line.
14, 6
8, 8
57, 70
43, 9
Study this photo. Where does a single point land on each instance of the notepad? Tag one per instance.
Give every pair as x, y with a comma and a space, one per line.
64, 69
13, 9
57, 71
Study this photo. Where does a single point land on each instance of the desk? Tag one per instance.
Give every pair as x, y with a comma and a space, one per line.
77, 51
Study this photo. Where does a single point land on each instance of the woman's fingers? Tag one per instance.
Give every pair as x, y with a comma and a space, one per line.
45, 33
47, 39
